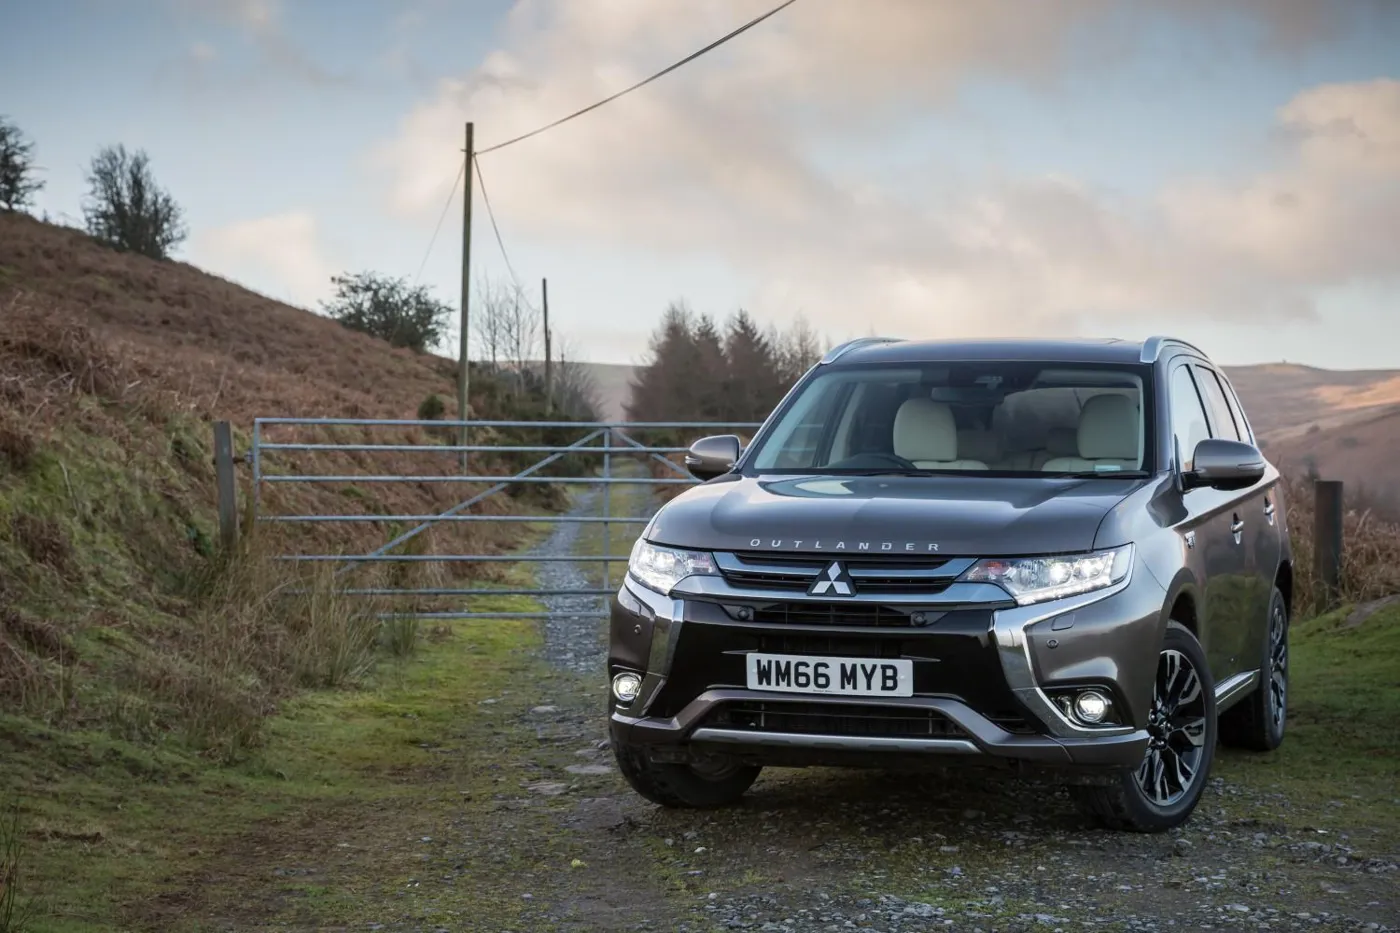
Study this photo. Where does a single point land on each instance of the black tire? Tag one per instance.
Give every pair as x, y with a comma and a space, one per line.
681, 785
1259, 720
1184, 731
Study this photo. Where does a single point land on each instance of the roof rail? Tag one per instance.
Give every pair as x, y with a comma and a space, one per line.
1152, 347
836, 352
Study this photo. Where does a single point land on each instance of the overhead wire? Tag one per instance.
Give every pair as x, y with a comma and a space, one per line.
645, 81
437, 229
486, 199
495, 229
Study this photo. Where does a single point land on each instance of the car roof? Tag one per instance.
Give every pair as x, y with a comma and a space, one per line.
1074, 350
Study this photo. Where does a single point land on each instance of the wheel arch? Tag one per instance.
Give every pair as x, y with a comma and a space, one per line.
1183, 604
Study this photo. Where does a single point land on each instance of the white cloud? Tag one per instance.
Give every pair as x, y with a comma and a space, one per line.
261, 20
280, 255
725, 160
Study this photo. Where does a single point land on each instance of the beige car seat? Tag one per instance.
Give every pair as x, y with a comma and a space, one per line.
926, 435
1107, 437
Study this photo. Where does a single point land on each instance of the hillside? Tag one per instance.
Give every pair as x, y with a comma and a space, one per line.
117, 613
1284, 399
220, 346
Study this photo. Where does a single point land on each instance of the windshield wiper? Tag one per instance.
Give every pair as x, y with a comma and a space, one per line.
1096, 474
876, 471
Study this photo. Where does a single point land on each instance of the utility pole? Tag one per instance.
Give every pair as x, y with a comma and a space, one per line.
548, 364
462, 384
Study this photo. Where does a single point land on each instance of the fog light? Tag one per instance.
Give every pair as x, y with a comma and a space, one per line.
626, 686
1091, 707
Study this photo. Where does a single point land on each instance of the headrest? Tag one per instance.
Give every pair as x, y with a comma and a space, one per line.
1062, 442
925, 430
979, 444
1108, 428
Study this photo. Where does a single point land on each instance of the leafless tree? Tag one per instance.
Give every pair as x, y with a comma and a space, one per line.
17, 182
126, 209
575, 392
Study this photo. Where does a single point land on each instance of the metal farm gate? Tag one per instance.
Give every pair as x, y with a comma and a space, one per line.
307, 472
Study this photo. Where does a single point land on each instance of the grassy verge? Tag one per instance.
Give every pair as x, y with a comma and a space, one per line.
323, 821
1340, 762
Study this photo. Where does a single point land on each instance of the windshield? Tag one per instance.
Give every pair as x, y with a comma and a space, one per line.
976, 418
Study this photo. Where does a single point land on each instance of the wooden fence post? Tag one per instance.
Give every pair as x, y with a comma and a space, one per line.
227, 485
1327, 538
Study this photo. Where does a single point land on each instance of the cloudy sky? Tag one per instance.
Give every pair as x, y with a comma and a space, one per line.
1225, 170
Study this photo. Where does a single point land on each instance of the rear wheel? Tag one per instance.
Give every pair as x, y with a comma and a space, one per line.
1164, 789
704, 784
1257, 722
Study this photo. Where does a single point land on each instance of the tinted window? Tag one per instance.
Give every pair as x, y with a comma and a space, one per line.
1221, 419
1240, 422
1189, 426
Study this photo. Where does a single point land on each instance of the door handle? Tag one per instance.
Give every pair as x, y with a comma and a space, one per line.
1269, 511
1237, 526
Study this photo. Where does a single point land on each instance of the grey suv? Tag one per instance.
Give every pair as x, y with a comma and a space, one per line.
1053, 555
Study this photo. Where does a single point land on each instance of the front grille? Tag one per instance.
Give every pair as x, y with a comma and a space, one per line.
847, 613
836, 719
795, 573
835, 646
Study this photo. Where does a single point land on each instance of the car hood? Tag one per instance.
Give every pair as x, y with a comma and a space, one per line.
904, 515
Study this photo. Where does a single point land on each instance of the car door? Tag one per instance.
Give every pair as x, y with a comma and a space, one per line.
1256, 513
1214, 549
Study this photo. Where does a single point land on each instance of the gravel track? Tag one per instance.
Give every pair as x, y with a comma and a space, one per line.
576, 642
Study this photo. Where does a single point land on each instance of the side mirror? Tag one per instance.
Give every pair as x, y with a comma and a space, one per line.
1222, 464
712, 456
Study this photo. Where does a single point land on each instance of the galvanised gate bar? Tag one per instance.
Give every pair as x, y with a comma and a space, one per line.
610, 442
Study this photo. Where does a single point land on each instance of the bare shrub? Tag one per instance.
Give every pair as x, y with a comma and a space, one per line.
125, 207
1370, 551
17, 182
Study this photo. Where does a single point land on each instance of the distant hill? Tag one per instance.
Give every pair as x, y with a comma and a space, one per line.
613, 389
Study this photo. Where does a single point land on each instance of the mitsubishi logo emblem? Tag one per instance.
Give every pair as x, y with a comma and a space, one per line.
833, 580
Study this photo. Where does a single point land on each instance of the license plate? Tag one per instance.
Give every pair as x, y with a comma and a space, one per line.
855, 677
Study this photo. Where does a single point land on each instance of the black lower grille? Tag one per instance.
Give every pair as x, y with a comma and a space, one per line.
1012, 722
837, 719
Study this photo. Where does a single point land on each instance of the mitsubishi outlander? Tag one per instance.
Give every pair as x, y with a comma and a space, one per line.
1068, 556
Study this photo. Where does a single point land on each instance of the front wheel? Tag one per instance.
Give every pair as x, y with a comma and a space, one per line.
705, 784
1164, 789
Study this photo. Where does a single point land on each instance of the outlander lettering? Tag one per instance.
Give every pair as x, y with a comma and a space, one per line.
793, 609
819, 545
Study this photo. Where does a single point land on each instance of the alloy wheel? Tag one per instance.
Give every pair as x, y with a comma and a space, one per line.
1176, 726
1278, 665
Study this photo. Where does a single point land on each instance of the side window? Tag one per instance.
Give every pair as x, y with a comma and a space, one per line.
1221, 418
1237, 411
1189, 425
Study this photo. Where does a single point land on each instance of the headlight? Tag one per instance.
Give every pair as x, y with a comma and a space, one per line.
1037, 579
661, 568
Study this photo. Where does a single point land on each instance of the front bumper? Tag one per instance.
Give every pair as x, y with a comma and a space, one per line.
985, 671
